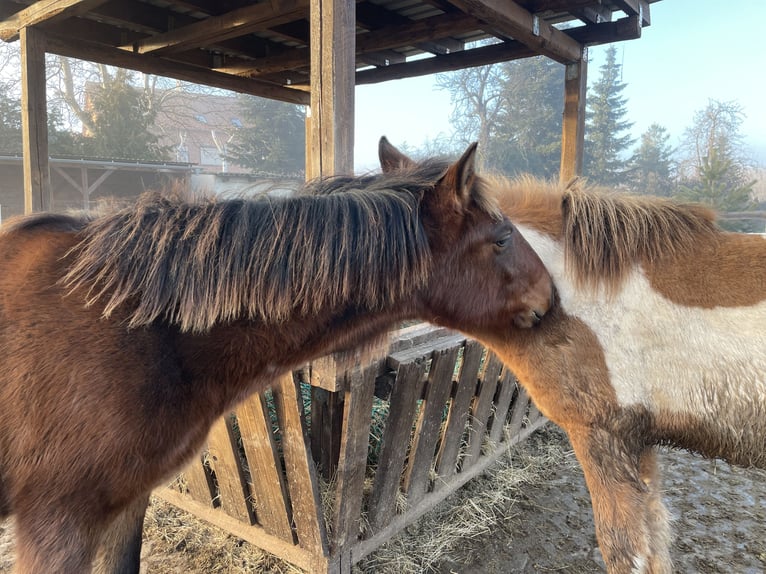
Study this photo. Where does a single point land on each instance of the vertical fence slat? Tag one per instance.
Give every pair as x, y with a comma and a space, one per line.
458, 412
272, 509
518, 411
299, 466
396, 437
198, 481
352, 462
482, 408
507, 386
429, 423
233, 491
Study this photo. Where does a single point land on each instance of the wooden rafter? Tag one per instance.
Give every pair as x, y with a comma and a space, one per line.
636, 8
115, 57
218, 28
42, 12
517, 23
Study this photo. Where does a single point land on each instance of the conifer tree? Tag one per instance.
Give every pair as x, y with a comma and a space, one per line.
606, 139
651, 167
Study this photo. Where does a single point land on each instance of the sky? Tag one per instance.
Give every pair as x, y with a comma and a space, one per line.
694, 51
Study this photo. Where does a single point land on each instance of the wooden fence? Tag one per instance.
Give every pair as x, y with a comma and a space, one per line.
327, 465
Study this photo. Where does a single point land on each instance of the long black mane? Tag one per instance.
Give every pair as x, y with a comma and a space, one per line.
341, 242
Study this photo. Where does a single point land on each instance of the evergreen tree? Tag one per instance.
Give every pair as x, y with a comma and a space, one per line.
10, 123
121, 117
605, 127
272, 139
651, 167
527, 138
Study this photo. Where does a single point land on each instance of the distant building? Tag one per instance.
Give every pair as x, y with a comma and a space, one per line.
197, 128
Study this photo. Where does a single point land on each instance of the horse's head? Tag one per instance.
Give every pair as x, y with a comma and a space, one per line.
485, 276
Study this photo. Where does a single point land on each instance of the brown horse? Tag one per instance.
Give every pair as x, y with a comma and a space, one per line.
125, 335
657, 339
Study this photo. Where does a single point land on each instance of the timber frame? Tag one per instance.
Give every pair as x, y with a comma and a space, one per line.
309, 52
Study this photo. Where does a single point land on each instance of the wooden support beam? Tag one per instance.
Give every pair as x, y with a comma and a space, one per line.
608, 32
219, 28
34, 122
417, 31
85, 50
510, 19
331, 125
573, 124
638, 8
43, 11
491, 54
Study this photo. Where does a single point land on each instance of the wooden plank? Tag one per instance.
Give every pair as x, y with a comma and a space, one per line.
34, 122
251, 533
299, 467
270, 490
481, 409
41, 12
102, 54
423, 349
502, 404
447, 459
416, 478
326, 427
199, 483
215, 29
518, 411
332, 44
396, 439
636, 8
233, 491
352, 463
514, 21
573, 124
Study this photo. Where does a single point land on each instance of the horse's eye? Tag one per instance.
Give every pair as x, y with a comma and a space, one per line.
504, 240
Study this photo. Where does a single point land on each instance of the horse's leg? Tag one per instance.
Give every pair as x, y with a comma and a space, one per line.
120, 551
657, 517
55, 540
619, 499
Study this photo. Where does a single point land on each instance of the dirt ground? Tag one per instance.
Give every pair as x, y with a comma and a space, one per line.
530, 514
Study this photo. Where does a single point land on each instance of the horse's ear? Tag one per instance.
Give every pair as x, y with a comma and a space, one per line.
391, 158
459, 178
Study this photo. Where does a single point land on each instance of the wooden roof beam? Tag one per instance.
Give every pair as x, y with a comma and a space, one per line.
415, 31
590, 35
85, 50
514, 21
41, 12
239, 22
638, 8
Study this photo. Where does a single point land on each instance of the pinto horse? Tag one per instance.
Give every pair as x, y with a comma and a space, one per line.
125, 335
657, 338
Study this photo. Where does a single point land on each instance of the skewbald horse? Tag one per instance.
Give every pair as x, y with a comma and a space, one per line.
124, 336
657, 339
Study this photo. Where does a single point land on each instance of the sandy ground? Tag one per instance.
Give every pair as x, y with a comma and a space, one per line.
538, 521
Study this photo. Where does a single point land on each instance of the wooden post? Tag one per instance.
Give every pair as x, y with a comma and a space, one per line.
34, 122
573, 124
331, 125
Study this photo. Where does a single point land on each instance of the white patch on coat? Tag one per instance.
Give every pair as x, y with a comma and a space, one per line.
663, 355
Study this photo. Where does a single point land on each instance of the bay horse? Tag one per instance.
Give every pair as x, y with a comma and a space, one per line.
657, 338
125, 335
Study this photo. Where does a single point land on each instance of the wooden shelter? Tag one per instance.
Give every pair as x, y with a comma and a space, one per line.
310, 52
451, 405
